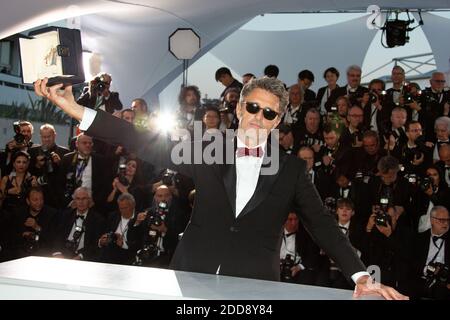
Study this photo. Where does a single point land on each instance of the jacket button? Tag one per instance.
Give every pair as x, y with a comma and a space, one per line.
234, 229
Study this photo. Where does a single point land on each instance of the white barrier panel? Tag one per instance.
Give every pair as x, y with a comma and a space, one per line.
52, 278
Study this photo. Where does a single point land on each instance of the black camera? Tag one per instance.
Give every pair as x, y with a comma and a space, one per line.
19, 138
286, 265
99, 85
31, 244
382, 218
412, 178
71, 186
168, 178
158, 215
425, 183
72, 245
122, 175
111, 238
435, 273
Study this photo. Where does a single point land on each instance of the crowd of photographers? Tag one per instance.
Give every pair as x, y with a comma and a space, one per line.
379, 158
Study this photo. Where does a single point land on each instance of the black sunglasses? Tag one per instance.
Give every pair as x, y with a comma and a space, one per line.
253, 108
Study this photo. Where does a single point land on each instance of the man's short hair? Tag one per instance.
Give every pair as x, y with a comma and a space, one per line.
345, 203
272, 85
442, 121
438, 208
37, 189
306, 74
409, 123
47, 126
127, 110
399, 109
388, 163
222, 71
23, 123
371, 134
85, 189
398, 68
354, 67
251, 75
332, 70
379, 81
126, 197
328, 128
271, 71
142, 102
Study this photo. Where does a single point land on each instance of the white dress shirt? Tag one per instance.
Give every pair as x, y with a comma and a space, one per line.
122, 229
433, 249
288, 246
246, 180
78, 223
247, 175
86, 176
373, 118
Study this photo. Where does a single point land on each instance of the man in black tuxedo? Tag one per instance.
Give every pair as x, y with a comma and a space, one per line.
97, 95
31, 227
444, 162
305, 80
431, 247
116, 245
241, 206
330, 275
79, 229
45, 163
85, 168
301, 266
353, 90
224, 76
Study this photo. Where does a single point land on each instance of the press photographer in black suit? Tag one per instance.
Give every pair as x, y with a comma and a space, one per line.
32, 227
236, 227
79, 229
432, 257
97, 95
116, 246
45, 164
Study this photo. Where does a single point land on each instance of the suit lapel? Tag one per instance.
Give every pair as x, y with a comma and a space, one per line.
228, 174
265, 182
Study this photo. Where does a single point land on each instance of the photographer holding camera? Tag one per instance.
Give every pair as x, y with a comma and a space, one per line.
116, 246
21, 142
432, 191
227, 110
45, 161
435, 103
375, 113
299, 255
157, 229
416, 154
32, 226
352, 135
98, 96
79, 229
432, 257
126, 181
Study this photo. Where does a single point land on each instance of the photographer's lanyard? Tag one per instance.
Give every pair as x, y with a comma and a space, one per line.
77, 226
287, 251
439, 249
81, 166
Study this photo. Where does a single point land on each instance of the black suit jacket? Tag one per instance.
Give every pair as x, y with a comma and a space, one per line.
249, 245
322, 91
342, 91
95, 227
101, 177
112, 104
114, 254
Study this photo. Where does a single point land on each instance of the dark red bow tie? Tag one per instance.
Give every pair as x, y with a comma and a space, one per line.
252, 152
